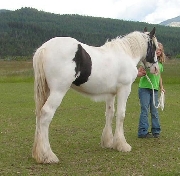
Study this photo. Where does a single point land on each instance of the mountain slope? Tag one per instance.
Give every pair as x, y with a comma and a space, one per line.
174, 22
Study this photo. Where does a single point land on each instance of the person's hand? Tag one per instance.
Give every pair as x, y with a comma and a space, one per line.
163, 90
141, 72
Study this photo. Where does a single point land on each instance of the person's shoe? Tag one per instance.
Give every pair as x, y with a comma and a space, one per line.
156, 135
148, 135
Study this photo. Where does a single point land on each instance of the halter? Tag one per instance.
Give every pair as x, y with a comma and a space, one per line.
149, 66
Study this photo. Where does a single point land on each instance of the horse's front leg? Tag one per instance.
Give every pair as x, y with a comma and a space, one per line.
119, 141
107, 135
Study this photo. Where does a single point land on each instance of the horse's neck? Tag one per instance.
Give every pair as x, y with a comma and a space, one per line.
137, 61
136, 47
133, 45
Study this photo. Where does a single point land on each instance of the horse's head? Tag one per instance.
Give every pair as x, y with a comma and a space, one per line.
151, 61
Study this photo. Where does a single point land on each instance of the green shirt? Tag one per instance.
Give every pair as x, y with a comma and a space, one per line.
155, 79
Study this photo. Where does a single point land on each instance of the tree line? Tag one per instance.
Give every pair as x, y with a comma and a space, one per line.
25, 29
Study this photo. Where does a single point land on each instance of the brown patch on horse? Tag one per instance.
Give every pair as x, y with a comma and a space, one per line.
83, 66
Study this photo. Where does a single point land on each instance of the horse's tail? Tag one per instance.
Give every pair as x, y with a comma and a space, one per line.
41, 89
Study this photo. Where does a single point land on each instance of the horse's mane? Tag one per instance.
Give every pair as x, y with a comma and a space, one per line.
132, 43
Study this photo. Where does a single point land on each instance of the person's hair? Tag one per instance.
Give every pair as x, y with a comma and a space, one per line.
162, 57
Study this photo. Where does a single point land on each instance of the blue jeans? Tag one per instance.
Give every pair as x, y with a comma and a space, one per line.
146, 101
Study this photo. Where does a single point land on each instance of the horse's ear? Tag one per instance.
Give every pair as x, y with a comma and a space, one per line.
145, 29
152, 33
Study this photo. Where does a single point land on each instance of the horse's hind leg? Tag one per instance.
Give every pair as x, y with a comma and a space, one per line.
107, 135
41, 150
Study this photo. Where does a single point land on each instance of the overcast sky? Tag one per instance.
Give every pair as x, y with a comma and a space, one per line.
150, 11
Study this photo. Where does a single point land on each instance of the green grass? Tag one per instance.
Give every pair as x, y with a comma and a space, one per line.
76, 130
16, 71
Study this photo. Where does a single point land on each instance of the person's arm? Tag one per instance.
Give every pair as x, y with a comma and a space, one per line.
161, 84
141, 71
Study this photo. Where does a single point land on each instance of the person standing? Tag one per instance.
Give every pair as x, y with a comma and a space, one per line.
146, 98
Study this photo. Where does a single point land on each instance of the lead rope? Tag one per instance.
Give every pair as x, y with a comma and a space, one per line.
161, 99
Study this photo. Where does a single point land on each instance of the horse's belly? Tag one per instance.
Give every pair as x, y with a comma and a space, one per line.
95, 88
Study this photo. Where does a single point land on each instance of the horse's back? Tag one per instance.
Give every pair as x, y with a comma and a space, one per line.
60, 41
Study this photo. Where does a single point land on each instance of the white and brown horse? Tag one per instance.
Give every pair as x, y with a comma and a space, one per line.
102, 73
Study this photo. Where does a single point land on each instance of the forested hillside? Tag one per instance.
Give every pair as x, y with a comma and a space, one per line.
23, 30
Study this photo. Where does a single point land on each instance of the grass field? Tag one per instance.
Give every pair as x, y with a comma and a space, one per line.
76, 130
